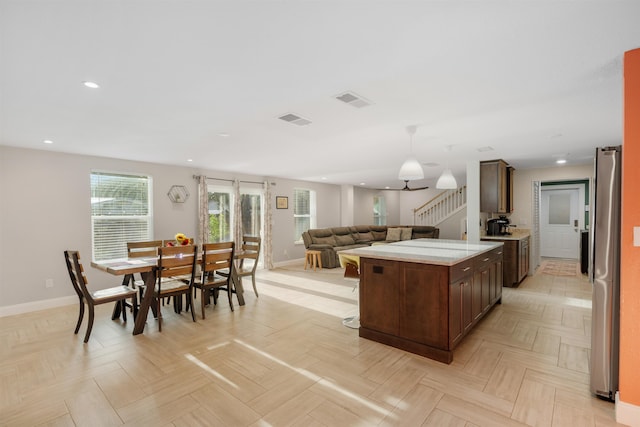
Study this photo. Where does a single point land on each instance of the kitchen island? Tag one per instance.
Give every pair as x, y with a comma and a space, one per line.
425, 295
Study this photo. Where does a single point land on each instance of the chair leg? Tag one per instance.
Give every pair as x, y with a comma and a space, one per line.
90, 324
202, 293
123, 306
229, 295
134, 302
159, 316
80, 316
190, 303
253, 280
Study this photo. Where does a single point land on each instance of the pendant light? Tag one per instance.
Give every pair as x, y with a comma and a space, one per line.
411, 168
447, 181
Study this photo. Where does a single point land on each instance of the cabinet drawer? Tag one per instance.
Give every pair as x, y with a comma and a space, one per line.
497, 253
481, 262
459, 271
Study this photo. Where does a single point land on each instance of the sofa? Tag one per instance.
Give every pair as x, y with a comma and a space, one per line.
330, 241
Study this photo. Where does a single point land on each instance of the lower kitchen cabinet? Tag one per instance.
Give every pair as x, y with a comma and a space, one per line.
516, 258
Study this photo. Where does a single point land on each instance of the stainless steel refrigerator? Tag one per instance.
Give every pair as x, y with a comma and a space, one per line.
605, 272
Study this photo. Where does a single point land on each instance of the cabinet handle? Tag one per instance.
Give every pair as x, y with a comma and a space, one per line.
466, 269
486, 259
500, 253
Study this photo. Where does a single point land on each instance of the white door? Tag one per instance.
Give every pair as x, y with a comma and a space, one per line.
560, 222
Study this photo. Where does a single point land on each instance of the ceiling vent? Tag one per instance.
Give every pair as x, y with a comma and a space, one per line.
295, 119
353, 100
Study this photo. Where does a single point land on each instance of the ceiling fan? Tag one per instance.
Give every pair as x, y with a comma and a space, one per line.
406, 187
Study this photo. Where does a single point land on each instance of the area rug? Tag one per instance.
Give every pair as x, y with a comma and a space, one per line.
559, 268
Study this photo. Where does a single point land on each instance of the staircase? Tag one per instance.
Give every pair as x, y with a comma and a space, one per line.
441, 207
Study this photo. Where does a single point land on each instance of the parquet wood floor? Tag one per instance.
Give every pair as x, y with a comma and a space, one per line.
285, 359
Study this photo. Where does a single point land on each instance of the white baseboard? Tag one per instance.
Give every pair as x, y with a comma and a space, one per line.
28, 307
626, 413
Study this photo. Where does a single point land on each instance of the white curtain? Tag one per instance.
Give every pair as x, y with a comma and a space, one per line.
203, 211
266, 240
237, 215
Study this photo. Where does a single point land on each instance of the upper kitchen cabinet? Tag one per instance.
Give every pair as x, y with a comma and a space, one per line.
496, 187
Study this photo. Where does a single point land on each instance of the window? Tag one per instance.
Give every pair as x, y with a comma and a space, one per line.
379, 211
251, 208
304, 211
120, 213
220, 214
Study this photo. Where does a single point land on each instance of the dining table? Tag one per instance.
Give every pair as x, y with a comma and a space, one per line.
147, 268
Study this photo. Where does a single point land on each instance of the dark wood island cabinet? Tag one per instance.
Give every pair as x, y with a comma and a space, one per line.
516, 257
425, 295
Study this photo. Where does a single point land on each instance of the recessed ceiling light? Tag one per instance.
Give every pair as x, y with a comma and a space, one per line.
48, 141
92, 85
223, 134
324, 178
189, 160
561, 161
362, 183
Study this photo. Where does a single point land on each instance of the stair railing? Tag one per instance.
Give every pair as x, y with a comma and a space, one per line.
441, 207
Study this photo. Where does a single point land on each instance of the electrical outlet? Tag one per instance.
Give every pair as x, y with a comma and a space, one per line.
48, 283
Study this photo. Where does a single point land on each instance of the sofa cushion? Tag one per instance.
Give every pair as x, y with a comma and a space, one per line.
328, 240
365, 237
379, 235
394, 234
425, 231
405, 233
344, 240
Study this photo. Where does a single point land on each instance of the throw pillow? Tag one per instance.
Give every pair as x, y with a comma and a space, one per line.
394, 234
405, 233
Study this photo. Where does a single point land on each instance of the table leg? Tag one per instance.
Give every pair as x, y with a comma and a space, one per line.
147, 300
120, 306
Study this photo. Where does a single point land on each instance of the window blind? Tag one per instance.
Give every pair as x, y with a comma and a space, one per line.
304, 211
120, 213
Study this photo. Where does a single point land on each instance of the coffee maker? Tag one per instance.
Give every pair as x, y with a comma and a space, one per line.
498, 226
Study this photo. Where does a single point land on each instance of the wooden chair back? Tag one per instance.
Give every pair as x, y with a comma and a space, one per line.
215, 257
250, 250
76, 273
147, 249
174, 261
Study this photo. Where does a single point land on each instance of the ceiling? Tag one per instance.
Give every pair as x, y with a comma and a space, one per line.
207, 80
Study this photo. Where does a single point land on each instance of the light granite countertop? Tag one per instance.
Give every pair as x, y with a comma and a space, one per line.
425, 251
516, 234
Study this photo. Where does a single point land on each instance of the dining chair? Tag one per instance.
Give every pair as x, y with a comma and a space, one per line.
144, 249
215, 257
175, 277
118, 294
250, 251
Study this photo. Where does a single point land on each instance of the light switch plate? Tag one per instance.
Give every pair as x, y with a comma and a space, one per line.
636, 236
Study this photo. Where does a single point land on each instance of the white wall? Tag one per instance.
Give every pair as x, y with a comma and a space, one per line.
45, 209
522, 214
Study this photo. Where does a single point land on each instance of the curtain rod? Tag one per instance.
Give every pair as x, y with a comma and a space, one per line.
228, 180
